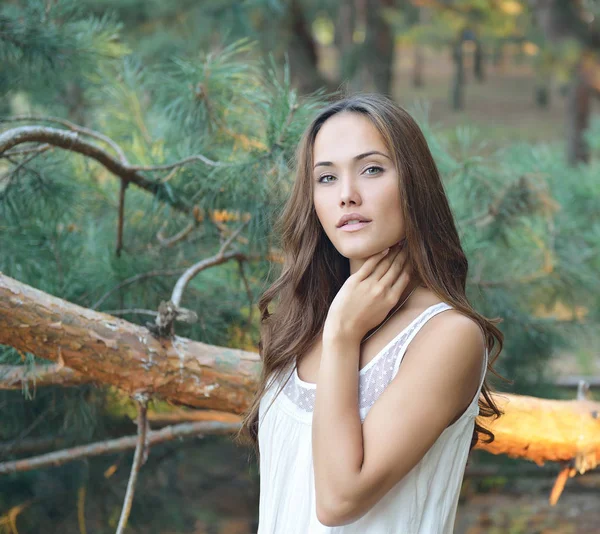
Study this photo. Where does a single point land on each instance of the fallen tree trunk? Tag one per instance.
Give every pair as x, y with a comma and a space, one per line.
114, 352
111, 351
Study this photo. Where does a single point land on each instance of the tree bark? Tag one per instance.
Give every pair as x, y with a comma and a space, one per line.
114, 352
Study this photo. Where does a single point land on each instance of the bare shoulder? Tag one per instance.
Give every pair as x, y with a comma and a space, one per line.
451, 341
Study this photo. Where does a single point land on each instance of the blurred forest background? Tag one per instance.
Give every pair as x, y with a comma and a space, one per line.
507, 94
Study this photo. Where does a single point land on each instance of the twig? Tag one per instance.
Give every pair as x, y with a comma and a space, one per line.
155, 437
74, 127
286, 125
138, 459
24, 151
225, 230
248, 292
169, 166
179, 236
20, 165
32, 445
122, 191
191, 272
131, 310
133, 280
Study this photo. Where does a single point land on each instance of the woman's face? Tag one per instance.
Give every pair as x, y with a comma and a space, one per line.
354, 173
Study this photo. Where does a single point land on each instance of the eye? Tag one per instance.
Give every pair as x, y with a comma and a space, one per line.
320, 180
376, 167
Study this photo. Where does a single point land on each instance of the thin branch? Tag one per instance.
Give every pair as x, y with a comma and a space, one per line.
138, 459
120, 223
179, 236
288, 121
73, 142
133, 280
248, 291
225, 230
23, 151
219, 258
112, 446
74, 127
31, 445
20, 165
180, 163
131, 310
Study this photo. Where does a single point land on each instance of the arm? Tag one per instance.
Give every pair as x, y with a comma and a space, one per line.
356, 466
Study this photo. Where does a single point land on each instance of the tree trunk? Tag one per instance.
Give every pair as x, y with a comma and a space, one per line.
379, 55
542, 96
578, 117
303, 56
116, 353
458, 81
498, 55
478, 62
417, 77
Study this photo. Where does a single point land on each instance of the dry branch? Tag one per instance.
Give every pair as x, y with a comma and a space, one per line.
138, 459
163, 435
220, 257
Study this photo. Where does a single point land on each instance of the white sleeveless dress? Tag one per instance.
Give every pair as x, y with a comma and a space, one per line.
423, 502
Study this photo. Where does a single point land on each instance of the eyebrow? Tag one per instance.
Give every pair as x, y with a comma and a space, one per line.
355, 158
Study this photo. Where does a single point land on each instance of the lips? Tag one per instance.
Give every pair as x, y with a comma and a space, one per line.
352, 217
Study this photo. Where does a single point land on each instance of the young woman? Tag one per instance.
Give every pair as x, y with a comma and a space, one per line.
374, 360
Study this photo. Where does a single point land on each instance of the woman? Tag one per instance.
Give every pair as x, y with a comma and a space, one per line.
350, 441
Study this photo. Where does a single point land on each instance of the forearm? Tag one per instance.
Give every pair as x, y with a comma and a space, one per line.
337, 439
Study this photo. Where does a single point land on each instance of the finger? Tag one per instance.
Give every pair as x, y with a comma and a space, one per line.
403, 279
384, 265
368, 266
397, 265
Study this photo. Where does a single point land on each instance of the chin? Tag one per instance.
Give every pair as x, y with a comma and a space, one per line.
360, 252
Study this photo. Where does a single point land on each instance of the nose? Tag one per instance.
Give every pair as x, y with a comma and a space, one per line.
349, 194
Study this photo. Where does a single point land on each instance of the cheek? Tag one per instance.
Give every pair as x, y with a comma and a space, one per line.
320, 204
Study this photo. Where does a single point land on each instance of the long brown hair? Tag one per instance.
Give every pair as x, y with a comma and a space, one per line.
314, 271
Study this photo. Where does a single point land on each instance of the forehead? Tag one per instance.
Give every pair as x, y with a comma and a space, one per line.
345, 135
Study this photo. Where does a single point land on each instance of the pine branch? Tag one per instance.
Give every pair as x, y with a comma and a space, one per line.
73, 127
73, 142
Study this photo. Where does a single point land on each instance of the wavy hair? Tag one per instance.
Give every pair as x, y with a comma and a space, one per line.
314, 271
